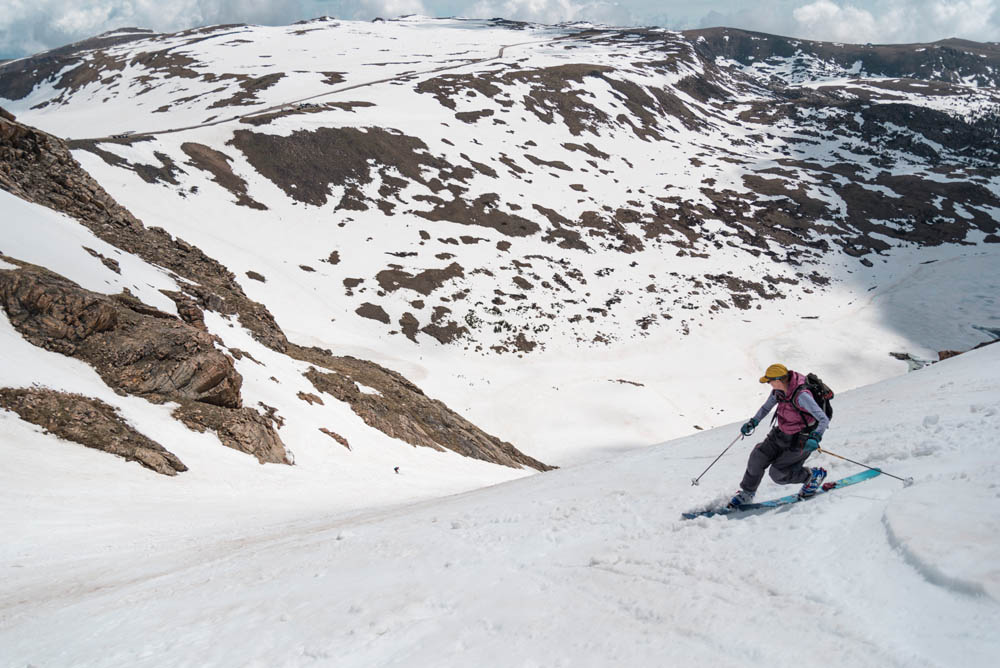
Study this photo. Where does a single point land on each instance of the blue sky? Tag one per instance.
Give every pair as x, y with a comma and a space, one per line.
30, 26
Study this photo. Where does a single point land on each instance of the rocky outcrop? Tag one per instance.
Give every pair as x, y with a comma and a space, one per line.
38, 167
90, 422
245, 430
138, 350
397, 407
135, 348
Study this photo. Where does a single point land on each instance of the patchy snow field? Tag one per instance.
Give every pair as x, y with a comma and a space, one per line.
616, 384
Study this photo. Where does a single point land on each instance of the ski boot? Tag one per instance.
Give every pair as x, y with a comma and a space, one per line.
817, 475
742, 498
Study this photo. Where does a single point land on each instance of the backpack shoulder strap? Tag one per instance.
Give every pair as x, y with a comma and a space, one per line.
794, 401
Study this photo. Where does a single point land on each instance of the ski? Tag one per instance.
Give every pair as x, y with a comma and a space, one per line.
784, 500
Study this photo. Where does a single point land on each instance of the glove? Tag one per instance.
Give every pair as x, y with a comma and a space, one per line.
812, 443
748, 428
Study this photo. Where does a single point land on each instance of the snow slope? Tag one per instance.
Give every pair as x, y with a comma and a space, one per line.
340, 561
314, 59
610, 341
586, 566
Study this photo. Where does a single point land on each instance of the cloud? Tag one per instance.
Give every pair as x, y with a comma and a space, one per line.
554, 11
365, 10
829, 21
30, 26
861, 21
900, 21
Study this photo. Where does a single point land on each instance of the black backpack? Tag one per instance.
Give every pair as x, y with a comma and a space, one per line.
821, 393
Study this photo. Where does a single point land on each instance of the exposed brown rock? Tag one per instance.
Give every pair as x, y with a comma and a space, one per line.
271, 413
217, 164
403, 411
445, 331
948, 354
307, 108
305, 164
337, 437
425, 282
484, 211
373, 312
249, 87
409, 325
90, 422
188, 310
165, 172
473, 116
552, 92
20, 77
108, 262
245, 430
38, 167
135, 348
309, 398
138, 349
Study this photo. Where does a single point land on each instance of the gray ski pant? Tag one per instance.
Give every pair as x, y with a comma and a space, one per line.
784, 454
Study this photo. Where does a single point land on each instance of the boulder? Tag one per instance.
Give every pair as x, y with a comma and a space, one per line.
135, 348
245, 430
90, 422
401, 410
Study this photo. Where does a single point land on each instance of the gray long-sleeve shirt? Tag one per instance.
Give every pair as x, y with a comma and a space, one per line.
805, 402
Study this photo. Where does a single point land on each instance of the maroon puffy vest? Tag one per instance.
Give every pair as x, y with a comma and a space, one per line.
790, 418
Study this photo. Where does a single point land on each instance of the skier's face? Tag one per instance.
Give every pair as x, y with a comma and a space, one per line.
778, 384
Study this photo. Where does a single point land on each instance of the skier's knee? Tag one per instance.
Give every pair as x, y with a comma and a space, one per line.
778, 476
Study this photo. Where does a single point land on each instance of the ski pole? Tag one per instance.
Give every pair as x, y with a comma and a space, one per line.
906, 481
695, 481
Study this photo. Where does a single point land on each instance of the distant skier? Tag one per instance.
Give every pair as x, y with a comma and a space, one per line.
800, 426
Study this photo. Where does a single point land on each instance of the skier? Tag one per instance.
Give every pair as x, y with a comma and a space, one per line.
801, 423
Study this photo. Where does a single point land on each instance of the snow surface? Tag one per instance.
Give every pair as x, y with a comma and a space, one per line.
626, 394
306, 53
340, 561
586, 566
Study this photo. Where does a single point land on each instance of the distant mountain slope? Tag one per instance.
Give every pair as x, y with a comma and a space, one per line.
20, 78
954, 61
143, 320
623, 179
510, 210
